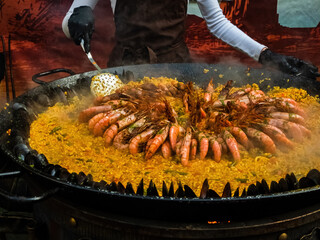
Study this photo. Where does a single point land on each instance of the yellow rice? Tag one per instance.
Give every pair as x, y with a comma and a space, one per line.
63, 140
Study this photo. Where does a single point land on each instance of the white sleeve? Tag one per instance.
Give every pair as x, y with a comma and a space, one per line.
223, 29
75, 4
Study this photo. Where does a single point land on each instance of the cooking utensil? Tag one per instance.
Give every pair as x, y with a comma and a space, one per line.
103, 83
193, 209
94, 63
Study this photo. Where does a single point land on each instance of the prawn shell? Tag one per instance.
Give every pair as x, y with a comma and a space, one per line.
109, 134
139, 139
240, 136
292, 130
204, 145
292, 117
216, 149
178, 148
88, 113
193, 148
232, 145
173, 136
277, 135
185, 148
166, 150
158, 140
94, 120
266, 141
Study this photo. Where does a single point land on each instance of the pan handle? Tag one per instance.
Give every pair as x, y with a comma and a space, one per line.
26, 200
22, 199
57, 70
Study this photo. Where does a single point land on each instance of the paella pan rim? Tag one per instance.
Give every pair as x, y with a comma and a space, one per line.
193, 72
67, 185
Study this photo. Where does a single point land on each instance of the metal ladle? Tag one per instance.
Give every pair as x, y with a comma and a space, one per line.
102, 84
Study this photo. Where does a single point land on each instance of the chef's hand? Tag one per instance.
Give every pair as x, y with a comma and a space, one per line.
81, 26
288, 64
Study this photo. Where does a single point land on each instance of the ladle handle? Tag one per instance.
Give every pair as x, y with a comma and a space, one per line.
53, 71
89, 56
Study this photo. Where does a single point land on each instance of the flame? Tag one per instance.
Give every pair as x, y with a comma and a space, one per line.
219, 222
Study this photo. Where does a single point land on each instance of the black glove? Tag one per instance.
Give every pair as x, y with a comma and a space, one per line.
288, 64
81, 26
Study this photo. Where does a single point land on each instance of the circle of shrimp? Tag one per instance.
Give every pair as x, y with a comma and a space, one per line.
219, 122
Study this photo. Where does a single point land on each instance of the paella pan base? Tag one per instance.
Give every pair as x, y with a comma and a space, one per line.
117, 198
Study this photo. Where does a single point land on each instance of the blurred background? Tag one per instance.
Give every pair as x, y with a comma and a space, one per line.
32, 40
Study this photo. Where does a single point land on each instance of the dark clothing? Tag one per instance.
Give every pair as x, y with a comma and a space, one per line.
149, 31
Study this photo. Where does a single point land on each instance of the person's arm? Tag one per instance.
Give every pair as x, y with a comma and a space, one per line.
223, 29
78, 23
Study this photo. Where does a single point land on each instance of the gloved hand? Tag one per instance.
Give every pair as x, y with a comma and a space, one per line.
81, 26
288, 64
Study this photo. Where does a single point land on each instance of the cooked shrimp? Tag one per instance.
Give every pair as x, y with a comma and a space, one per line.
240, 136
109, 134
292, 117
256, 94
185, 147
223, 144
244, 99
212, 118
290, 106
178, 148
209, 91
173, 135
138, 124
207, 97
158, 140
292, 130
203, 113
88, 113
121, 140
232, 145
193, 148
284, 100
166, 149
290, 100
126, 121
117, 103
240, 93
277, 135
148, 144
100, 100
265, 141
182, 131
93, 121
305, 131
221, 102
140, 139
226, 90
107, 120
216, 149
204, 145
102, 125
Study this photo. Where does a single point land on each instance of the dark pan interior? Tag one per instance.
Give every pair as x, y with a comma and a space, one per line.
182, 209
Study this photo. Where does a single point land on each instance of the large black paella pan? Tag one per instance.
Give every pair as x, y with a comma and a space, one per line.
287, 194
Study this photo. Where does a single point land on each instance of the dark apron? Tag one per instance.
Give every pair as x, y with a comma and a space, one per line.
149, 31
